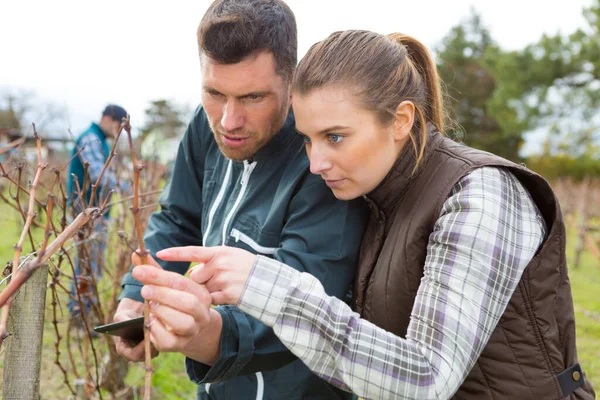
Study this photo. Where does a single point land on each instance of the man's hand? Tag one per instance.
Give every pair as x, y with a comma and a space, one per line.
132, 351
181, 318
127, 309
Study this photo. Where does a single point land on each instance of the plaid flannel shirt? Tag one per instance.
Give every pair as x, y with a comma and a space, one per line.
92, 152
488, 231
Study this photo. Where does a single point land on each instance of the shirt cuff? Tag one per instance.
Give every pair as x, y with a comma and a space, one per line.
267, 288
131, 288
237, 348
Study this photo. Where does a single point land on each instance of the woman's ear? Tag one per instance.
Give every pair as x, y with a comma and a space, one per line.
404, 120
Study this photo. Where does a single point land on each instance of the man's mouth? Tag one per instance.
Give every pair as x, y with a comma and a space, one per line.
235, 141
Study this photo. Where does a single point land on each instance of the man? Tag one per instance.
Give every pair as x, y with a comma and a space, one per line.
241, 178
92, 147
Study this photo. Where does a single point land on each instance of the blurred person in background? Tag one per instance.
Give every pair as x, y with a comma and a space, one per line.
92, 148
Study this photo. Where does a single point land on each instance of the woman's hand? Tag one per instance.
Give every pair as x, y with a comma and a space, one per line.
223, 270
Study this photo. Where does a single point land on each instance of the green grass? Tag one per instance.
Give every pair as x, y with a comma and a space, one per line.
170, 380
585, 285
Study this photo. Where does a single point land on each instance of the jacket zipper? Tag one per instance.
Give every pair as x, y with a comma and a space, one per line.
250, 242
260, 386
248, 168
216, 204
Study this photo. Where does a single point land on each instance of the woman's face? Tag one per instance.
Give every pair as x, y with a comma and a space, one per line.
346, 144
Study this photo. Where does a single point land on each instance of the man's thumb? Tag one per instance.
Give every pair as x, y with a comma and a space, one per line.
136, 259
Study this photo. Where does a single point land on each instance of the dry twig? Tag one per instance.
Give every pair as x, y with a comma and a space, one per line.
19, 246
12, 145
137, 168
22, 275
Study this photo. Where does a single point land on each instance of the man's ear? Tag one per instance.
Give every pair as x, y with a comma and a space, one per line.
291, 79
404, 120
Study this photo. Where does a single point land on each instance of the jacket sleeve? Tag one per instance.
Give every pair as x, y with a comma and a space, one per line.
178, 223
322, 236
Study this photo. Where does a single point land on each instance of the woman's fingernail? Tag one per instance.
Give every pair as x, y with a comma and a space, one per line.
151, 320
162, 253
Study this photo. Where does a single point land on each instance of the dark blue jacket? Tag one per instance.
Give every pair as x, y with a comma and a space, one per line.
270, 205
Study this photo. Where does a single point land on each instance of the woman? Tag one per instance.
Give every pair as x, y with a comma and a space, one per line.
462, 287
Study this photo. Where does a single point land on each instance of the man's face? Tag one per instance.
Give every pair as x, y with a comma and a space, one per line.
109, 126
246, 103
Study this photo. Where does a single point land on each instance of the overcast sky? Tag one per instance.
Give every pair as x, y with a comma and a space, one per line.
83, 55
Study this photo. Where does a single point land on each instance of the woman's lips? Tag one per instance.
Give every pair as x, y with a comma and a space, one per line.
334, 183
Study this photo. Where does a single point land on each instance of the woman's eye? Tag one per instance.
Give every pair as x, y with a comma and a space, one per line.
335, 138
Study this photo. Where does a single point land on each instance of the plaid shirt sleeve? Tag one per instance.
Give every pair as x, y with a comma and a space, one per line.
488, 231
92, 152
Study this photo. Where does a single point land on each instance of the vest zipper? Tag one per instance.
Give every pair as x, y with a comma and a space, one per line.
248, 168
536, 331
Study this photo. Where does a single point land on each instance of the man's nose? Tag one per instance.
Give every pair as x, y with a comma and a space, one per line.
233, 117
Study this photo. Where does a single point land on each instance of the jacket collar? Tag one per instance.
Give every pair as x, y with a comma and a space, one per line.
96, 128
279, 142
391, 189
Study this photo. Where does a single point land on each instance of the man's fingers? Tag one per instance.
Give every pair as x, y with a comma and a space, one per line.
129, 350
188, 253
154, 277
158, 277
132, 308
162, 338
184, 302
137, 260
181, 324
124, 315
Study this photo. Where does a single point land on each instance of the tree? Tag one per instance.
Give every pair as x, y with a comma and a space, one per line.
12, 111
553, 84
166, 118
470, 86
19, 108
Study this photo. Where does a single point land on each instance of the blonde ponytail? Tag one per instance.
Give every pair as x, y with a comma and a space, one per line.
422, 61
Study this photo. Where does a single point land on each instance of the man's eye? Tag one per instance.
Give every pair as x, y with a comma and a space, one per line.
305, 138
254, 97
333, 138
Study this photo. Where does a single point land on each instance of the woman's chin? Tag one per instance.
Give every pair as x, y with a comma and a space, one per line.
346, 195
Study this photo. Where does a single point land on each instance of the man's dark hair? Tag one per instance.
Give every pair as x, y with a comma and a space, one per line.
232, 30
115, 112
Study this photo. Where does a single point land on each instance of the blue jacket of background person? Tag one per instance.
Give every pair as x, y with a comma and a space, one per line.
76, 169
